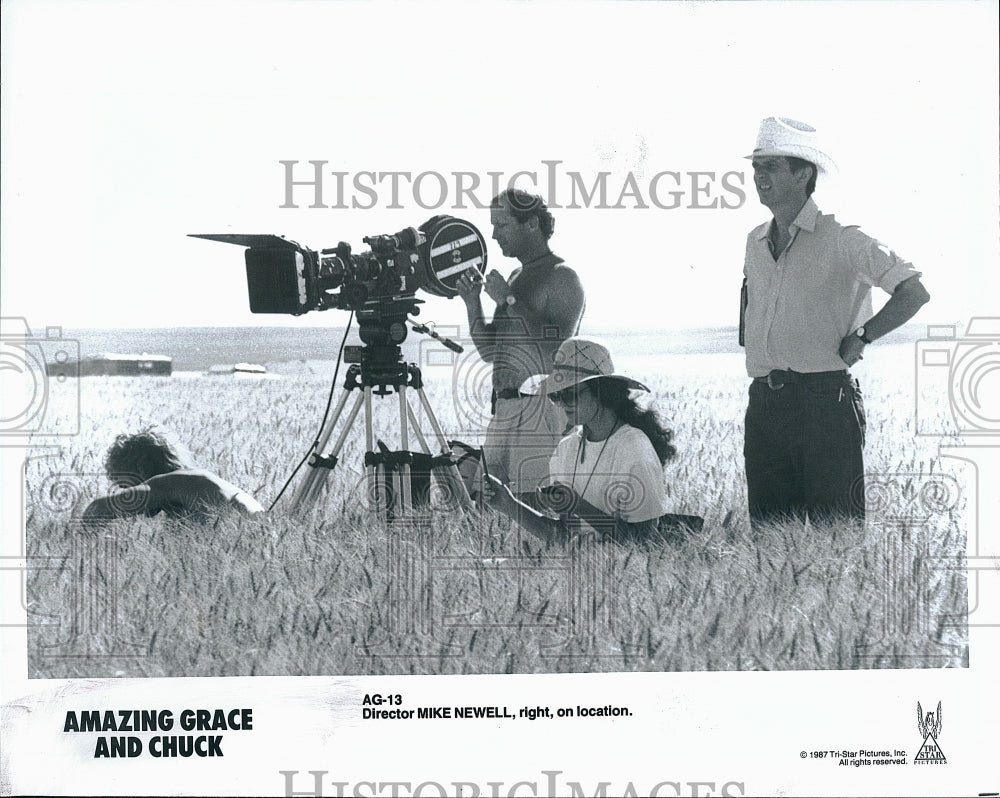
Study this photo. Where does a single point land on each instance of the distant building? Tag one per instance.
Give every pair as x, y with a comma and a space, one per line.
110, 364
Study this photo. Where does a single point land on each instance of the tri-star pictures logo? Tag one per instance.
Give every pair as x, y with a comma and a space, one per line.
929, 725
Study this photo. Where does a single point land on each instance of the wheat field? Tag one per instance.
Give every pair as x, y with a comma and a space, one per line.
334, 591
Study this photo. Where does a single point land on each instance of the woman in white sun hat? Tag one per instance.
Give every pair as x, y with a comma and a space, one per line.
608, 471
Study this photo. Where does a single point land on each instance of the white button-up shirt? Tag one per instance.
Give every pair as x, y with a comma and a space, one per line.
802, 305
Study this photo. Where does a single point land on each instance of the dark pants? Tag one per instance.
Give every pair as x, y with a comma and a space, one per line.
803, 449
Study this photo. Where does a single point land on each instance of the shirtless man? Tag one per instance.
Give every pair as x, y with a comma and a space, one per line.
538, 308
154, 475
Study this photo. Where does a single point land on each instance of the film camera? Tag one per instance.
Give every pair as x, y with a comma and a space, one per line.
285, 277
380, 286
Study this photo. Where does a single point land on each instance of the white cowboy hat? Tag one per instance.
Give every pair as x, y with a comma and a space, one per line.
579, 360
782, 136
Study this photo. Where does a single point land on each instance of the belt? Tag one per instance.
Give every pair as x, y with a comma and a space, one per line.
779, 378
505, 393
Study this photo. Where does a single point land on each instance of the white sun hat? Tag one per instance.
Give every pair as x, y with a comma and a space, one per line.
579, 360
779, 135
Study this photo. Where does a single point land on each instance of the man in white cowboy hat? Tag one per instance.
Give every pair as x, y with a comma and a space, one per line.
608, 471
538, 308
806, 317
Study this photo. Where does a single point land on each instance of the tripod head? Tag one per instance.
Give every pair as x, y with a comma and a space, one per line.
382, 329
377, 367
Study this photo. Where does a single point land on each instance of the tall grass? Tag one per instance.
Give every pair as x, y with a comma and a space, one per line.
336, 592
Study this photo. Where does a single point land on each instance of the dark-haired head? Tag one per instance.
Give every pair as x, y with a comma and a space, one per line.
797, 165
614, 394
134, 458
524, 206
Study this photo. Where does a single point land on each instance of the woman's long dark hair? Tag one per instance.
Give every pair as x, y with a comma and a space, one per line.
614, 394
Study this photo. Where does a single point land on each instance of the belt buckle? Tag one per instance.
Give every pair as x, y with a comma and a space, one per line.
773, 384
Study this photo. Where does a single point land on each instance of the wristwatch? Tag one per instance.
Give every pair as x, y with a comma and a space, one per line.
860, 332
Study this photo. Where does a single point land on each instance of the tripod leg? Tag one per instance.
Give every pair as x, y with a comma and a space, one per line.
319, 475
310, 486
403, 474
426, 406
375, 474
416, 430
450, 476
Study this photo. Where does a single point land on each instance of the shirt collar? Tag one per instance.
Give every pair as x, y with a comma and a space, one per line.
806, 220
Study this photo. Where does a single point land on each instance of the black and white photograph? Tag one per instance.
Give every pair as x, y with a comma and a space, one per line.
499, 399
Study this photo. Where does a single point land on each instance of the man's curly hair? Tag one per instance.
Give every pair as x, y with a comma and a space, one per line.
523, 206
135, 457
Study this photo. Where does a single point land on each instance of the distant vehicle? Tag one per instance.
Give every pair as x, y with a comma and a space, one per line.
111, 364
242, 371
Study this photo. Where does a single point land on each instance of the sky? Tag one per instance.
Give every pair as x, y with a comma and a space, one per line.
128, 126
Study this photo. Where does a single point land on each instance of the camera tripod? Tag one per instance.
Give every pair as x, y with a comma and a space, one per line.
392, 478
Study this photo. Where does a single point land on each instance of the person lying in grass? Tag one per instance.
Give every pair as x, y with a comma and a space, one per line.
608, 471
154, 474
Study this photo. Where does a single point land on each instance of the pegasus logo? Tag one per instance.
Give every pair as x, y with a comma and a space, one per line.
929, 726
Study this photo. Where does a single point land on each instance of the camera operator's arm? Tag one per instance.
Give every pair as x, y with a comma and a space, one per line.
482, 332
561, 305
